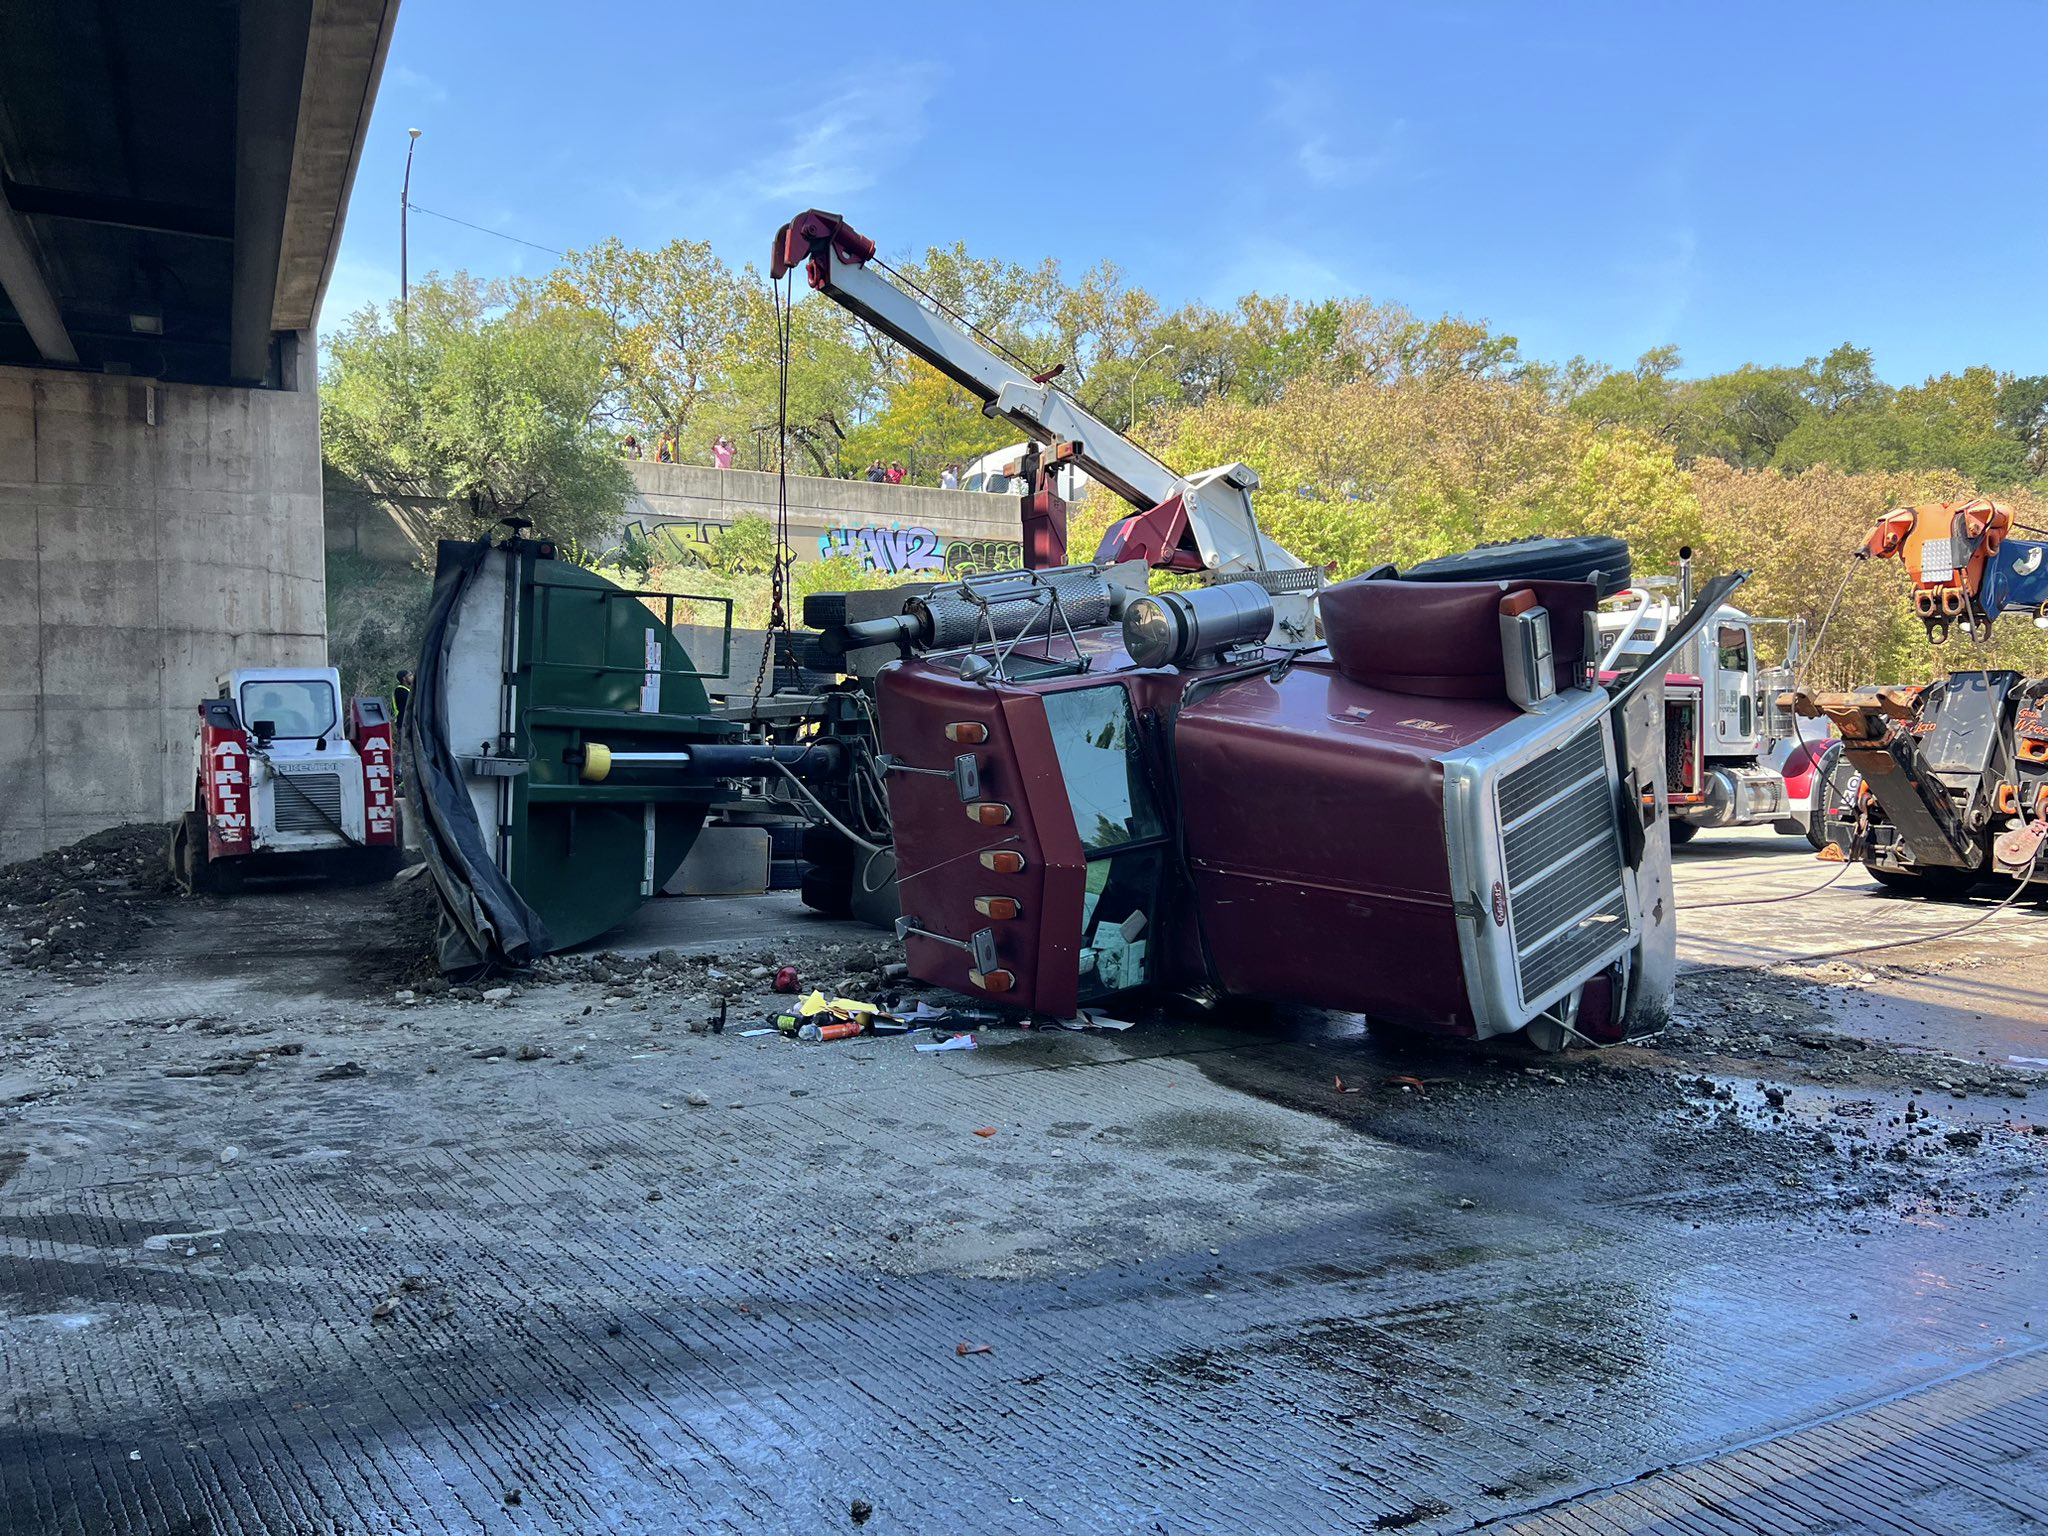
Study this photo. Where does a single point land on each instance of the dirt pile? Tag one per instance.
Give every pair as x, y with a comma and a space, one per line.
80, 907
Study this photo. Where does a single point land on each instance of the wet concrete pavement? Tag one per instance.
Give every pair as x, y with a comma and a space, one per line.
278, 1253
1983, 992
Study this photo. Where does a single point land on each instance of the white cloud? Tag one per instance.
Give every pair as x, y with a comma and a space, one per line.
1334, 143
841, 146
417, 85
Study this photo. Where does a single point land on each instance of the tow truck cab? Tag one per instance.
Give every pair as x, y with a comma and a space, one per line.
1723, 747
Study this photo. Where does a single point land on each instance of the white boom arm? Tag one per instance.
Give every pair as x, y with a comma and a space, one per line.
1217, 502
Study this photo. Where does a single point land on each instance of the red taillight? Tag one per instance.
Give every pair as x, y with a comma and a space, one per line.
1003, 861
992, 981
990, 813
967, 732
1000, 907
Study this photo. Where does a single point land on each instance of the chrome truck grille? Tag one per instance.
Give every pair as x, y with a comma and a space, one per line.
1532, 827
306, 802
1567, 894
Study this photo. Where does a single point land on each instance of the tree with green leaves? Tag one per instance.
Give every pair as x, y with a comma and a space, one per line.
669, 323
472, 408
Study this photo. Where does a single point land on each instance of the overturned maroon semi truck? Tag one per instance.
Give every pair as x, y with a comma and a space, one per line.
1135, 792
1405, 795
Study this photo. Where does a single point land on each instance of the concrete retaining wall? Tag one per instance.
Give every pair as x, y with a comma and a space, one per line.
358, 523
906, 529
139, 559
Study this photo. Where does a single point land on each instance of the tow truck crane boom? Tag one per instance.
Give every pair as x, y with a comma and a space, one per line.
1201, 522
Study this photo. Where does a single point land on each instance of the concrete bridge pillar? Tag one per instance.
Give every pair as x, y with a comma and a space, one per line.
152, 536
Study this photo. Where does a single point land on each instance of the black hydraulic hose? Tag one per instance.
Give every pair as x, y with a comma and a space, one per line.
492, 919
1764, 901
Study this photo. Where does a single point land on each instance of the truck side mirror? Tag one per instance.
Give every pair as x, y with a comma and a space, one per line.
264, 729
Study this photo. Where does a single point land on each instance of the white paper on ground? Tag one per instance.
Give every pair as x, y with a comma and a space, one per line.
1095, 1018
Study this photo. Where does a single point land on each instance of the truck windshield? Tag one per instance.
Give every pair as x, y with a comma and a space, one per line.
1098, 751
1121, 830
292, 707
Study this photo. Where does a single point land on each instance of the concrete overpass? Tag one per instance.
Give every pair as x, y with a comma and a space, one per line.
173, 180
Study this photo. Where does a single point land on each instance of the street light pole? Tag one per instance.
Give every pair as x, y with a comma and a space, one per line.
1135, 375
405, 208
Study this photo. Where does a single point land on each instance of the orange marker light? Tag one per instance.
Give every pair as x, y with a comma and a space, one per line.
997, 906
991, 981
967, 732
990, 813
1004, 861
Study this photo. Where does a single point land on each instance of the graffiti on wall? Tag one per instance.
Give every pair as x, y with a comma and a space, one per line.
964, 557
687, 544
891, 551
907, 551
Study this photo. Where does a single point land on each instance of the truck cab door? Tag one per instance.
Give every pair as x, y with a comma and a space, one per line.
1732, 690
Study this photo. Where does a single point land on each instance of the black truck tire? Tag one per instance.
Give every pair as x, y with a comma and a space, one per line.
1824, 795
826, 847
824, 610
828, 890
1588, 557
1683, 832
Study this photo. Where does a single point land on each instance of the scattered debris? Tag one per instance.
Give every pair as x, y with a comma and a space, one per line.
698, 1100
341, 1070
838, 1029
1095, 1018
785, 979
860, 1511
964, 1349
950, 1043
384, 1308
986, 1131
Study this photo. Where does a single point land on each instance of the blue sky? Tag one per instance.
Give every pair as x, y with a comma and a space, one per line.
1750, 182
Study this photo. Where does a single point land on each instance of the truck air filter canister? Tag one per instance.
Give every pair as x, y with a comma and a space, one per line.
1016, 604
1173, 628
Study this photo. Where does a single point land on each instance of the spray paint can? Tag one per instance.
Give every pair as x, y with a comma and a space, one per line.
838, 1029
